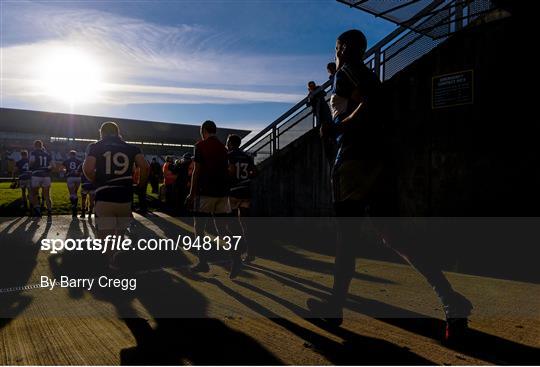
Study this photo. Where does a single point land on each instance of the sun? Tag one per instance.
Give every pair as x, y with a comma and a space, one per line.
70, 75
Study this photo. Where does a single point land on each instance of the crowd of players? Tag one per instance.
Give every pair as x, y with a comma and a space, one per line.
352, 132
34, 179
171, 181
214, 181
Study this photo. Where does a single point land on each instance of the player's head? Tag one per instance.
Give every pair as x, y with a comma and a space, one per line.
72, 153
331, 68
350, 47
311, 85
38, 144
24, 153
208, 128
109, 128
233, 141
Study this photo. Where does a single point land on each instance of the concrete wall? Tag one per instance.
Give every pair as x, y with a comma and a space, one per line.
295, 181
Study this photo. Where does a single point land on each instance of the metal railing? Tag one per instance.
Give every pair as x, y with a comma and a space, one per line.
288, 127
402, 47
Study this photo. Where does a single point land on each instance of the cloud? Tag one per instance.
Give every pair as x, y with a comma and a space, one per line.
140, 94
144, 62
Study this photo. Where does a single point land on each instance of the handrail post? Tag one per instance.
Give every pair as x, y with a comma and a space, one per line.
459, 16
274, 140
377, 62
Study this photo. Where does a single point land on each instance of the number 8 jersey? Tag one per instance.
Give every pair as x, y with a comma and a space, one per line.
114, 167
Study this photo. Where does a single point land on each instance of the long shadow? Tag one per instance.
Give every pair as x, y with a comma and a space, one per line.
75, 264
171, 230
183, 332
191, 335
285, 256
355, 350
12, 209
477, 344
18, 258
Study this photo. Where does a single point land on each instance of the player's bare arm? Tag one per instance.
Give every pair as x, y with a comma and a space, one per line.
89, 168
194, 183
356, 113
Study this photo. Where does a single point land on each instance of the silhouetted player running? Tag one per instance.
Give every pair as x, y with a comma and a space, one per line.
73, 179
40, 164
361, 185
241, 170
109, 164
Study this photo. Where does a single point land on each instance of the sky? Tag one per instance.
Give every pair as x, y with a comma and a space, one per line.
239, 63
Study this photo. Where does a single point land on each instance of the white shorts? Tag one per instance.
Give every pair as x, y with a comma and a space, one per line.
73, 181
237, 203
112, 216
41, 182
25, 184
212, 205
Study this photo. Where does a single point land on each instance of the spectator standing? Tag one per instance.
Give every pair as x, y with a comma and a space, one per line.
155, 175
331, 69
169, 179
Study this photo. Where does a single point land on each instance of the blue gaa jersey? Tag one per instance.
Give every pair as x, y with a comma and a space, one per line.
23, 167
41, 161
114, 166
243, 171
72, 167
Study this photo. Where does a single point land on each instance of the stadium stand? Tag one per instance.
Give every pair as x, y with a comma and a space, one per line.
62, 132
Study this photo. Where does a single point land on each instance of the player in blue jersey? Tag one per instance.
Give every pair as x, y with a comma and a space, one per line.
73, 179
22, 168
40, 164
241, 170
109, 166
363, 184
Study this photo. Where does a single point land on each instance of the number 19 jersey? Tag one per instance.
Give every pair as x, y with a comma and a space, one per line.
114, 169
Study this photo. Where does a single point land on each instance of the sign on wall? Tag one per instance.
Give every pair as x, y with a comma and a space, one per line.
453, 89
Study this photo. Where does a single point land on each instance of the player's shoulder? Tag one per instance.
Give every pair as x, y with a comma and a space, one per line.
238, 154
94, 146
132, 148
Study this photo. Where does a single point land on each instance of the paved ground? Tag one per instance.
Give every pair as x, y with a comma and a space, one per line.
257, 319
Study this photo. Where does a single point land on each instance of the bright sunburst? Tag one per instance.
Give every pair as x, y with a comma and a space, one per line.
70, 75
